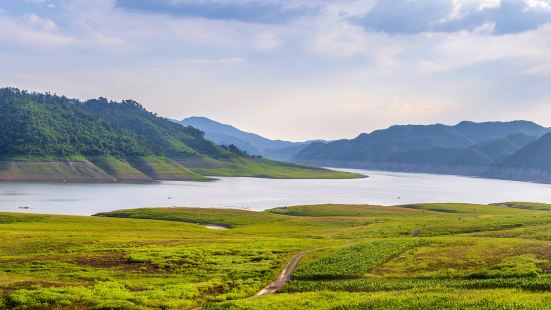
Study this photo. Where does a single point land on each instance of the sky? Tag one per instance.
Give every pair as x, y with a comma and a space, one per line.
295, 70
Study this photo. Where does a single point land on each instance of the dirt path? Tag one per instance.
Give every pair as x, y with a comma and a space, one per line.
283, 277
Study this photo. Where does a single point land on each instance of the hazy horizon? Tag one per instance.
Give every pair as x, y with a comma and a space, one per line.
237, 126
292, 70
354, 135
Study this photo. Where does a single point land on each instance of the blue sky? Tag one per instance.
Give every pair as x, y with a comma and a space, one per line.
300, 69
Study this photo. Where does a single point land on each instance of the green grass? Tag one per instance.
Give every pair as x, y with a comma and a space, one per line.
119, 168
355, 261
111, 262
162, 168
329, 210
146, 168
45, 158
263, 168
412, 299
390, 284
223, 217
526, 205
447, 256
75, 169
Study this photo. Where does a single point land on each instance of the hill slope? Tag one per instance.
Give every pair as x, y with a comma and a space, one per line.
467, 148
250, 142
531, 163
47, 137
378, 145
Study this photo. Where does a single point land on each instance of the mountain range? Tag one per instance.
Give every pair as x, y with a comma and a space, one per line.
49, 137
252, 143
517, 150
45, 137
508, 150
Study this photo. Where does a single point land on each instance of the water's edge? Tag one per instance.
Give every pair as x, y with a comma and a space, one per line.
382, 188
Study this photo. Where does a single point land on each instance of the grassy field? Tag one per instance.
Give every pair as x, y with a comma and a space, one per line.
451, 256
264, 168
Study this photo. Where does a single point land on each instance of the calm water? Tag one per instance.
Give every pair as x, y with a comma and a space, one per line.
258, 194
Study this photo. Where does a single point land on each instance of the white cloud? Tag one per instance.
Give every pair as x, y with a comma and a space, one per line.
527, 52
327, 68
28, 33
489, 4
44, 23
412, 17
537, 5
230, 60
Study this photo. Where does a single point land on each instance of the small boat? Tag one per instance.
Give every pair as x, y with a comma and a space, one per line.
24, 208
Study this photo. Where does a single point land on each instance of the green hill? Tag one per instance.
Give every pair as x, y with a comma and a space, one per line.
381, 145
531, 163
46, 137
467, 148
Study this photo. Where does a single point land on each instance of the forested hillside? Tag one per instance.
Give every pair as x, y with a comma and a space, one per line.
468, 148
44, 124
50, 137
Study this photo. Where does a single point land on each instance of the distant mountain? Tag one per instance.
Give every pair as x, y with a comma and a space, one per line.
468, 161
531, 163
46, 137
487, 152
467, 148
519, 150
252, 143
380, 144
488, 131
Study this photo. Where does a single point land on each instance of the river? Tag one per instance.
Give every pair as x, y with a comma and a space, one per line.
382, 188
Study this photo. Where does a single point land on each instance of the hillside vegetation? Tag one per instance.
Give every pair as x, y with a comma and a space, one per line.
518, 150
445, 256
252, 143
507, 150
46, 137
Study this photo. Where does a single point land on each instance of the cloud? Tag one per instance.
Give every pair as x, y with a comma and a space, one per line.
415, 16
255, 11
32, 30
230, 60
403, 16
35, 30
538, 5
361, 63
523, 53
44, 23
